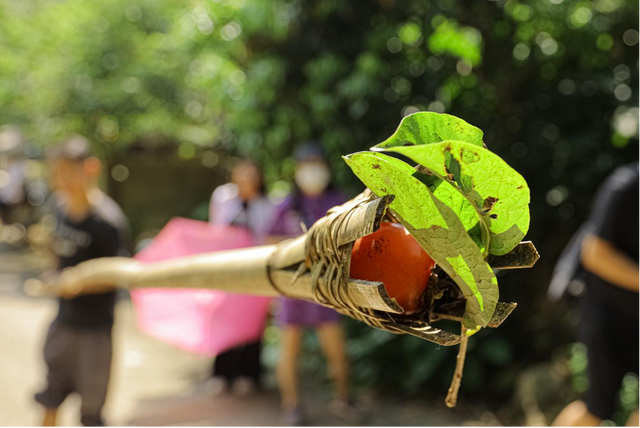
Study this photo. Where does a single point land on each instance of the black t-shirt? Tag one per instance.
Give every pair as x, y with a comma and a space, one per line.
615, 219
103, 233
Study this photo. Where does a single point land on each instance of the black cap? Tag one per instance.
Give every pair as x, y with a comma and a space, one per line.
307, 150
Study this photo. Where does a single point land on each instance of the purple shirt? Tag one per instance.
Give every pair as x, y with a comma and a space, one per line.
298, 209
290, 213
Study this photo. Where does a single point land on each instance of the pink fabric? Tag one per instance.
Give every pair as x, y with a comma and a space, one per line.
205, 322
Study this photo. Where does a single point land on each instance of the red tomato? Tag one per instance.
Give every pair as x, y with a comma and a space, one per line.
391, 255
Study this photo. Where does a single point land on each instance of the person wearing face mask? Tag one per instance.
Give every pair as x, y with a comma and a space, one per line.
312, 197
241, 203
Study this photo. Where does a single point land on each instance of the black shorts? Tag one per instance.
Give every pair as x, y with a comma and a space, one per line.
242, 361
610, 332
77, 361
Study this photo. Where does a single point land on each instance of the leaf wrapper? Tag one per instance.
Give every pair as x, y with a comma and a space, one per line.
499, 194
436, 226
428, 127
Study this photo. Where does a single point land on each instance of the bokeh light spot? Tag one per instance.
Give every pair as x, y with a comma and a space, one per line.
120, 172
410, 33
394, 45
566, 87
630, 37
604, 42
557, 195
622, 92
521, 51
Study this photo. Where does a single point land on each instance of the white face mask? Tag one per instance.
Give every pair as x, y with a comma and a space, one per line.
313, 179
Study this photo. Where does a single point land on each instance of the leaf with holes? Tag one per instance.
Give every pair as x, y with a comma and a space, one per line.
498, 193
436, 225
428, 128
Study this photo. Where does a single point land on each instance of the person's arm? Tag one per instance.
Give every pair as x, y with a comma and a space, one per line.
604, 259
283, 227
212, 208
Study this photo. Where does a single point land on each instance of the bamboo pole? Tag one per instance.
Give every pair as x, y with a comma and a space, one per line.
313, 267
239, 271
270, 270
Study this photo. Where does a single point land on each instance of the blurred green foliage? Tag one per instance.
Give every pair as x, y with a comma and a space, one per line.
122, 72
553, 84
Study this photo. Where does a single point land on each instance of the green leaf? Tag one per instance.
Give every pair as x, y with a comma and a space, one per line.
436, 226
499, 194
428, 127
453, 198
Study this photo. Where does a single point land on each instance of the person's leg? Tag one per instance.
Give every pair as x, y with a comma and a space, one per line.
225, 364
287, 370
606, 367
223, 371
605, 376
93, 371
632, 362
59, 357
50, 417
332, 342
251, 364
333, 347
634, 420
248, 370
576, 414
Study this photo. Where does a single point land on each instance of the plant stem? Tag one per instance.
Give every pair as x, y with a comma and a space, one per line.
452, 396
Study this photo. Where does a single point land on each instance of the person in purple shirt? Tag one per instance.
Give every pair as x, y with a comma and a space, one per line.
312, 197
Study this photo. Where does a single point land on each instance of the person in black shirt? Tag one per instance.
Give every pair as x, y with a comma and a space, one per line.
609, 325
78, 347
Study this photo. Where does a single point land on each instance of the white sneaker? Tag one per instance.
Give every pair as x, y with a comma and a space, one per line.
215, 386
243, 387
348, 411
294, 416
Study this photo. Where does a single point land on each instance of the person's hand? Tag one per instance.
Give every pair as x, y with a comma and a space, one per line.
67, 284
63, 284
35, 287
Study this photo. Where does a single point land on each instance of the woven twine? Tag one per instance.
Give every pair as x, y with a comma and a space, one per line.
329, 276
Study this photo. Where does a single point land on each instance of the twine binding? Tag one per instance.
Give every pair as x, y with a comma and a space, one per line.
328, 259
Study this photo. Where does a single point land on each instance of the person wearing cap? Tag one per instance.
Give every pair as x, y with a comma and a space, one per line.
89, 225
312, 196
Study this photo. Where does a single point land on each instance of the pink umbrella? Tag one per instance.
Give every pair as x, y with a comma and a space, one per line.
205, 322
